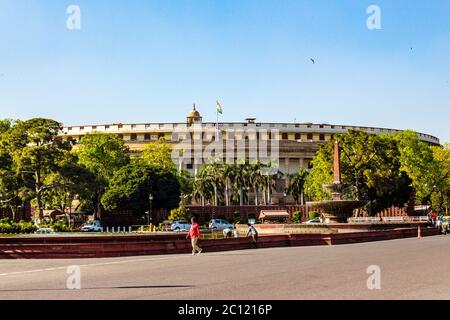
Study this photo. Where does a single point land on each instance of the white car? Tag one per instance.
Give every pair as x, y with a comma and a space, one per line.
92, 226
180, 226
314, 221
219, 224
45, 231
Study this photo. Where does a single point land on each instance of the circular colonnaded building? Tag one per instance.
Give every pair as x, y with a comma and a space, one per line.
292, 144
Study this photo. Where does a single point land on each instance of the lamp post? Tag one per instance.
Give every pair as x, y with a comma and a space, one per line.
150, 199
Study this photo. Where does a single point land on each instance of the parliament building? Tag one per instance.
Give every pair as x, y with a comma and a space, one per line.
293, 144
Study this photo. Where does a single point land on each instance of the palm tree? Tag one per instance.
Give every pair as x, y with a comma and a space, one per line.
229, 173
214, 173
270, 177
241, 180
256, 179
296, 185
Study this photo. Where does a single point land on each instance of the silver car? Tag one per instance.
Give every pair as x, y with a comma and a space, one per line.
219, 224
180, 226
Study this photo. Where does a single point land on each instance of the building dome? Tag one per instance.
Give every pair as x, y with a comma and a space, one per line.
194, 116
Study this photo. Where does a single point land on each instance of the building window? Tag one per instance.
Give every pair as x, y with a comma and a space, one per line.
189, 166
175, 137
106, 127
160, 136
298, 136
322, 137
120, 126
270, 135
70, 128
121, 136
321, 126
81, 128
94, 127
230, 135
310, 136
284, 136
147, 137
133, 137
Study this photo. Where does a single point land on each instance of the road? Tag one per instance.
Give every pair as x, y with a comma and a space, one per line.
410, 269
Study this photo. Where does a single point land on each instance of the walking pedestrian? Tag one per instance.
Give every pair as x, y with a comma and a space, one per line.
253, 232
194, 235
439, 224
433, 220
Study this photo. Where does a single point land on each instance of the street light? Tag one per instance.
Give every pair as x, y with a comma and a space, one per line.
150, 199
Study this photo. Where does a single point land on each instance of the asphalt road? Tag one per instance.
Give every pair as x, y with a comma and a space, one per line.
410, 269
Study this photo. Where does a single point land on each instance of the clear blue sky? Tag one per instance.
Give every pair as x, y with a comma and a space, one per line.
148, 61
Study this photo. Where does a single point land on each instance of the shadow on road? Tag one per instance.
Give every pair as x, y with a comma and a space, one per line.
103, 288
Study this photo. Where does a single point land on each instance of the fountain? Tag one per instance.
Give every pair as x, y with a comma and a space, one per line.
336, 210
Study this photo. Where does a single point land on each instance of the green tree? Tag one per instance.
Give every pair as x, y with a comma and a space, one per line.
130, 187
103, 154
180, 213
320, 174
36, 150
440, 196
158, 154
370, 166
416, 158
11, 184
74, 181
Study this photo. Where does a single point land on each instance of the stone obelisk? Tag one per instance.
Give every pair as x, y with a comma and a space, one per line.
337, 163
337, 192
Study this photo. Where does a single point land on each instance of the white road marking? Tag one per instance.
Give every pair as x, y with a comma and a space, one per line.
89, 265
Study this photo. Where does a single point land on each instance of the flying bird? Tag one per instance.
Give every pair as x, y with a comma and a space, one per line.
313, 61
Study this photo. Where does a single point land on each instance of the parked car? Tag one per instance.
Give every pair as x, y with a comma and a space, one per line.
45, 231
92, 226
314, 221
180, 226
219, 224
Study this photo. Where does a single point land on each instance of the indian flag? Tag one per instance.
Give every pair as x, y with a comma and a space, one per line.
219, 107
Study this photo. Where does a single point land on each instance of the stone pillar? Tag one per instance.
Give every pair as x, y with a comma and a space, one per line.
337, 164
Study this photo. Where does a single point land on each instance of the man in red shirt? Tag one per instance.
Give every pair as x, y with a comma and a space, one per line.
194, 234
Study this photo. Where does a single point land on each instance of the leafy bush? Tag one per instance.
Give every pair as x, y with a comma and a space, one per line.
313, 214
6, 228
181, 213
60, 226
26, 227
9, 227
297, 217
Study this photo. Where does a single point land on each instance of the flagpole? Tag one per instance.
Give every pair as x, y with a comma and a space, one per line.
217, 124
